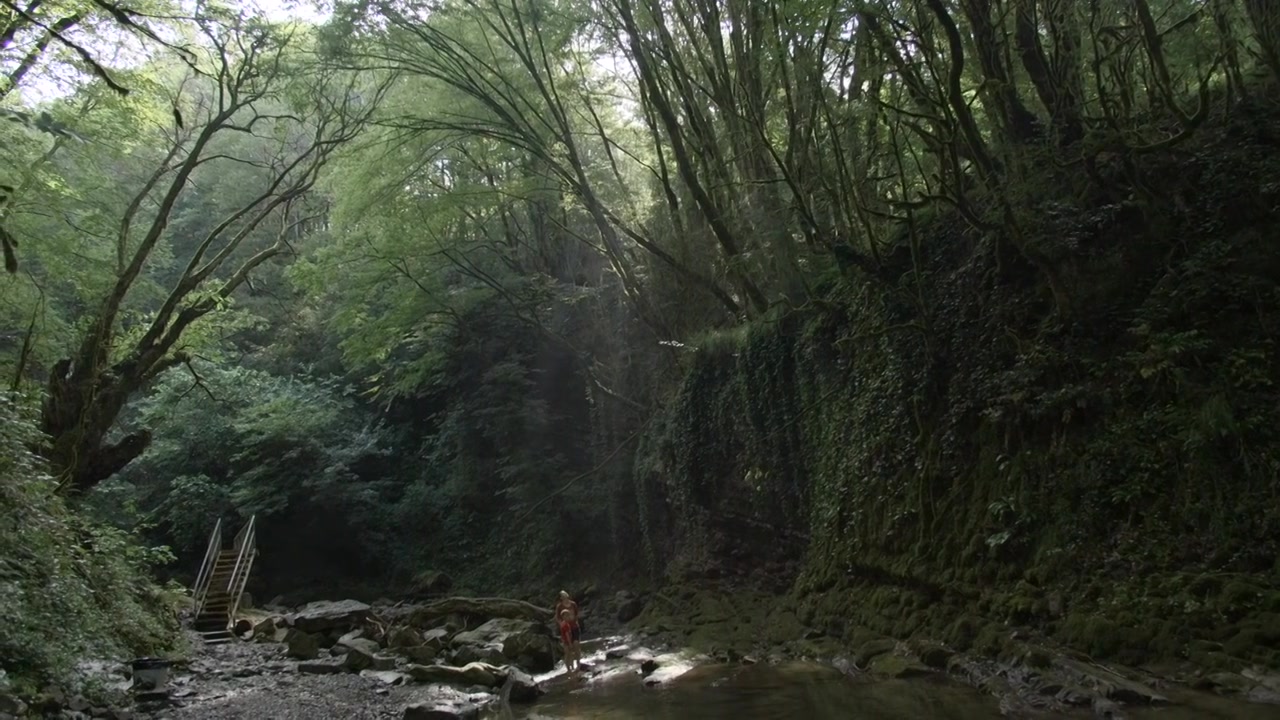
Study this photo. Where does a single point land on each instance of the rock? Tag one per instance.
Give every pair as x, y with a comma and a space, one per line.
357, 659
428, 615
872, 649
474, 673
321, 667
10, 705
1229, 682
1073, 696
933, 655
501, 640
1263, 695
327, 615
535, 651
49, 702
401, 637
358, 643
648, 665
436, 637
491, 654
422, 655
497, 630
522, 687
1109, 684
301, 645
629, 606
443, 710
388, 677
266, 628
896, 666
430, 583
616, 652
1106, 709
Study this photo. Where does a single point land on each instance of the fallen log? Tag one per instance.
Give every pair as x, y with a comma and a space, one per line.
478, 607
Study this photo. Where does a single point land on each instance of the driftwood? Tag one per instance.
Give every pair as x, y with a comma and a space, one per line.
478, 607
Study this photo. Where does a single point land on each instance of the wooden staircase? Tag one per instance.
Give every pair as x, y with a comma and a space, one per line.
221, 581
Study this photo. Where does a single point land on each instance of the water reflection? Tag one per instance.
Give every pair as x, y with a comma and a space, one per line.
694, 690
763, 692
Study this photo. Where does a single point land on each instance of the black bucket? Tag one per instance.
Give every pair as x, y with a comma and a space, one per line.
150, 673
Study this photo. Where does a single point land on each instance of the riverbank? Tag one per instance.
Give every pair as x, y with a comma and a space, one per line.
740, 654
1027, 673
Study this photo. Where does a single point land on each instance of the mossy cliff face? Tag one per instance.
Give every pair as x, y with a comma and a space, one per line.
957, 453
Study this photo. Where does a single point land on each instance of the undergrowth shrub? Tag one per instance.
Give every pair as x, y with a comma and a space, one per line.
70, 589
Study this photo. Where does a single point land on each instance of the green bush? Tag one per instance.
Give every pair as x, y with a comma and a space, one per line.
70, 589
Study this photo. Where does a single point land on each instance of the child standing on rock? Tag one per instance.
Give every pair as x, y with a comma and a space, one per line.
569, 637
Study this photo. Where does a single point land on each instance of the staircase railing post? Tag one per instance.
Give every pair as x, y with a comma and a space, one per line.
200, 590
246, 548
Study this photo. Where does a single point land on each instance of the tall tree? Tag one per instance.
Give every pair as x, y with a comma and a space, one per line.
248, 78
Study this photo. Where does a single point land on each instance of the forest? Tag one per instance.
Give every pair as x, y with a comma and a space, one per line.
930, 317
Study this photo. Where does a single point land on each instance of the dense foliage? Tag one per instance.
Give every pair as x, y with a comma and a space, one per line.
541, 291
73, 589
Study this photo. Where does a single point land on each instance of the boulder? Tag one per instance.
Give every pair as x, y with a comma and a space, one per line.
502, 640
629, 606
358, 643
896, 666
301, 645
327, 615
357, 659
521, 686
402, 637
429, 615
535, 651
10, 705
265, 628
431, 583
491, 654
436, 637
476, 673
497, 630
421, 655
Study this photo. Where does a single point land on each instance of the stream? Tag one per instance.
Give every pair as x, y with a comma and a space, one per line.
622, 680
687, 687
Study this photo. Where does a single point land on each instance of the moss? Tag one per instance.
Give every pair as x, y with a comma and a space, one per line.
897, 666
1105, 479
873, 649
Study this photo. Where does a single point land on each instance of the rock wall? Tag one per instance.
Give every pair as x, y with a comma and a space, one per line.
977, 445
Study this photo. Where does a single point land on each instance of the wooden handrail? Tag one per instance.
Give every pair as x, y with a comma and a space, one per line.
200, 591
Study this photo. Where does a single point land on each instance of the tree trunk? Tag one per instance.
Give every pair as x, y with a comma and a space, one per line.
999, 90
79, 410
478, 607
1056, 76
1265, 17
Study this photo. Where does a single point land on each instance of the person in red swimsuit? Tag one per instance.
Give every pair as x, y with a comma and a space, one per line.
569, 636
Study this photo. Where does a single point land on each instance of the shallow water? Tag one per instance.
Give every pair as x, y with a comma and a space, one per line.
692, 690
760, 692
